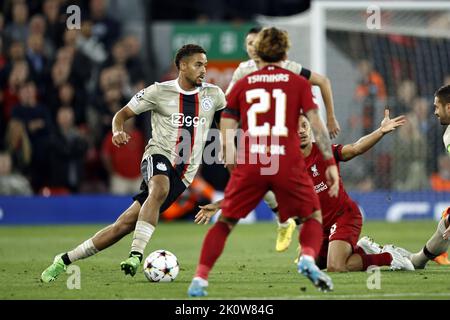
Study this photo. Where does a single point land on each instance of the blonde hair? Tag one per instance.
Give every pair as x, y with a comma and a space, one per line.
272, 44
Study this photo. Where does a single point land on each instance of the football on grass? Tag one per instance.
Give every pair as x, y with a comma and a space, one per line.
161, 266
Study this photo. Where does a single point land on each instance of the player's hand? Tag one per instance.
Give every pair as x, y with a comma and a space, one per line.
206, 213
446, 234
120, 138
332, 176
388, 125
333, 127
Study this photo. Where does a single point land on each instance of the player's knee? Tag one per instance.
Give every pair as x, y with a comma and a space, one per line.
159, 194
317, 215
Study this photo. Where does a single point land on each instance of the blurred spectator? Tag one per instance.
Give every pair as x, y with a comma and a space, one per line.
16, 53
17, 30
104, 27
11, 183
112, 102
423, 111
90, 45
406, 93
134, 62
18, 145
123, 164
37, 122
67, 148
370, 91
440, 181
371, 83
409, 156
18, 76
55, 25
36, 59
81, 65
38, 26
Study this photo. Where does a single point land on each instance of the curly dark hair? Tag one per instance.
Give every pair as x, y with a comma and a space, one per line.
186, 51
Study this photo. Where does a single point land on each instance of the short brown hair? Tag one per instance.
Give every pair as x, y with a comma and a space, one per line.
443, 94
186, 51
272, 44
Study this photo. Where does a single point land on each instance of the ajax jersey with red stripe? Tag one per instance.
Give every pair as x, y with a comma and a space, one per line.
180, 122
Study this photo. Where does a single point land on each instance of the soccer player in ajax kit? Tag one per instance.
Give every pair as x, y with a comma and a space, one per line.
268, 104
182, 111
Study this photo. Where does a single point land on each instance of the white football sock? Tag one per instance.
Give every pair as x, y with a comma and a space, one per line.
84, 250
284, 224
141, 236
270, 200
435, 245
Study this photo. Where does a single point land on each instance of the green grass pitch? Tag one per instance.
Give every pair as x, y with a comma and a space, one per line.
249, 268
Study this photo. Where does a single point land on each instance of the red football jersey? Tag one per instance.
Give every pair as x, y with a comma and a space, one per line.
268, 103
316, 167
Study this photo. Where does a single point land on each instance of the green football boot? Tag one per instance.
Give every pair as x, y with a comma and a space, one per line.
131, 265
54, 270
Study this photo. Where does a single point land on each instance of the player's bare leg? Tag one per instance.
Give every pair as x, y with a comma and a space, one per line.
341, 258
338, 253
100, 241
158, 189
311, 241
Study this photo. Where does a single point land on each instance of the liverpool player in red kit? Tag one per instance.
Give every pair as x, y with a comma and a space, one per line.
268, 104
342, 220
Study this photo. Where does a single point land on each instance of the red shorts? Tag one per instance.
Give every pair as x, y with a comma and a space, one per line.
292, 186
346, 227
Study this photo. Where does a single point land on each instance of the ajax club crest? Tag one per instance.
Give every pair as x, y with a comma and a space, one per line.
206, 104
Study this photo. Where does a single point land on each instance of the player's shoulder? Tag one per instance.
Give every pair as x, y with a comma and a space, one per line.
292, 66
212, 88
249, 64
169, 84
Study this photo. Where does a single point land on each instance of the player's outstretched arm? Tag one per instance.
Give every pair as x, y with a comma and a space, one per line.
324, 144
327, 94
120, 137
349, 151
207, 212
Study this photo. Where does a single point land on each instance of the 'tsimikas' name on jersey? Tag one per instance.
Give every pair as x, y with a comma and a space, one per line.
277, 77
262, 149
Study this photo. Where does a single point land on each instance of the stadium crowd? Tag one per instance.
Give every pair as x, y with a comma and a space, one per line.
59, 89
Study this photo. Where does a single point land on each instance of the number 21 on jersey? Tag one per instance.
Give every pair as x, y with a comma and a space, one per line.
263, 106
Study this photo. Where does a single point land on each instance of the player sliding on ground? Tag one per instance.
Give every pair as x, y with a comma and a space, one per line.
268, 103
437, 246
170, 161
286, 229
342, 219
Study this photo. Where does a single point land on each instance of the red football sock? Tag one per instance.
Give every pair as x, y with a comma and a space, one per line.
358, 250
380, 259
212, 248
311, 237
